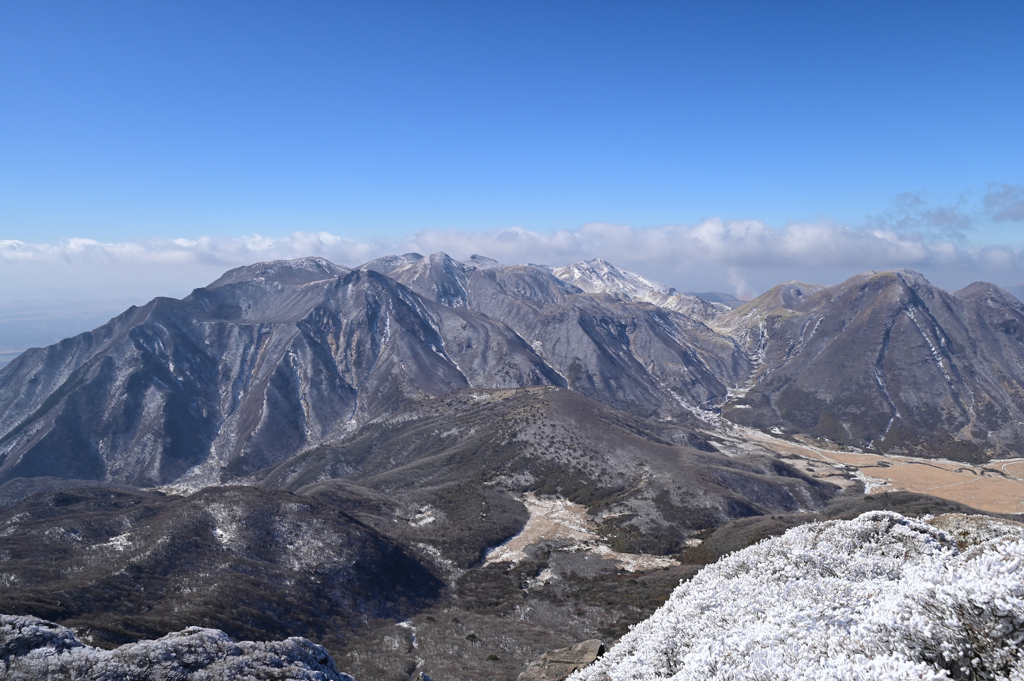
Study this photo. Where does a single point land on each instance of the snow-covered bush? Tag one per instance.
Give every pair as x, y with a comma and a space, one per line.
32, 649
878, 597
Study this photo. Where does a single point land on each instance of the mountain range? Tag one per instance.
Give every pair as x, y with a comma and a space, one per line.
305, 449
274, 358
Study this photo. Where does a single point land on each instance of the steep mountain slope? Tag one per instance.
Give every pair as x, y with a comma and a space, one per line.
275, 357
243, 374
887, 361
633, 356
258, 564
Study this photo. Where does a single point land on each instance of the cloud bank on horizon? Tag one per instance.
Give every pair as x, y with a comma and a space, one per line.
55, 290
742, 256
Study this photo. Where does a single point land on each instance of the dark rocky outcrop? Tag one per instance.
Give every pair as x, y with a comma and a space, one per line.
557, 665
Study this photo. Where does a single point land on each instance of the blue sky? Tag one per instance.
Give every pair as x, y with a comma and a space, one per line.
147, 127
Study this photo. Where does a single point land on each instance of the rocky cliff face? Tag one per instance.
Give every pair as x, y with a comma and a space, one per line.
888, 361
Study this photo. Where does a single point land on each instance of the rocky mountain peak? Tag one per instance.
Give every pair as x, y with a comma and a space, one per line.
885, 360
437, 277
481, 261
288, 272
989, 295
389, 263
600, 276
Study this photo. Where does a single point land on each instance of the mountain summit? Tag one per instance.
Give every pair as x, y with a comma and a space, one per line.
886, 360
600, 276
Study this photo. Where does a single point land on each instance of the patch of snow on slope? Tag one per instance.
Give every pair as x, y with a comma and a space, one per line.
424, 516
121, 542
227, 523
870, 483
878, 597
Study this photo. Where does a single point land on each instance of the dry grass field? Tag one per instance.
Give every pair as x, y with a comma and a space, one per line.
996, 486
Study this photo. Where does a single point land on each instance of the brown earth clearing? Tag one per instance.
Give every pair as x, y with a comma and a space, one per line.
996, 486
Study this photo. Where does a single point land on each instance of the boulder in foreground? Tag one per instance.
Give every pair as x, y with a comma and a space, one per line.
556, 665
31, 648
878, 597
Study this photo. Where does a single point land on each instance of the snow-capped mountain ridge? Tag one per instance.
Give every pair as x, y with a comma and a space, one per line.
600, 276
276, 357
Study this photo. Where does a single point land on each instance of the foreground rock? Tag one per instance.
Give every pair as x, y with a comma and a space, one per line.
559, 664
878, 597
32, 648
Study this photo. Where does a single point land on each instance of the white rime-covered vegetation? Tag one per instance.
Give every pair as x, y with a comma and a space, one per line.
33, 649
878, 597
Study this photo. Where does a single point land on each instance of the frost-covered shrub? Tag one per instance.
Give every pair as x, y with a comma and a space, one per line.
31, 649
878, 597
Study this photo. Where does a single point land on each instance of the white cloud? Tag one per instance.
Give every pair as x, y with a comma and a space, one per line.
715, 254
911, 213
741, 288
1005, 202
741, 245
